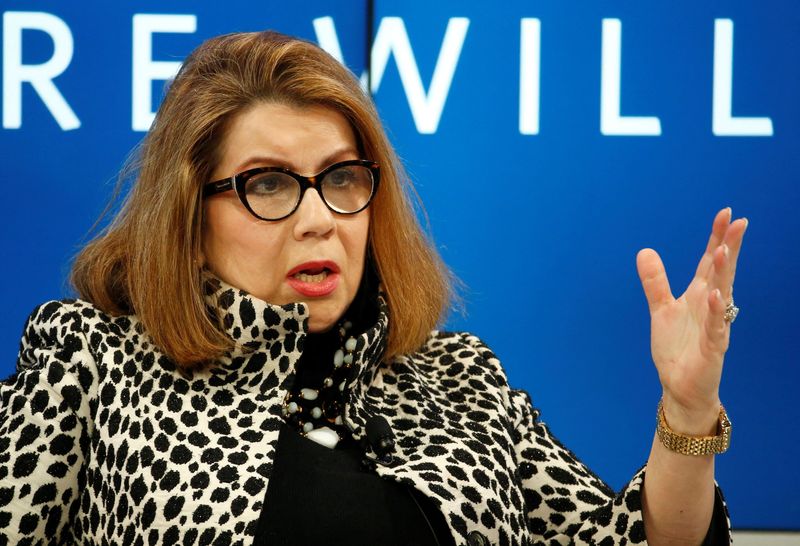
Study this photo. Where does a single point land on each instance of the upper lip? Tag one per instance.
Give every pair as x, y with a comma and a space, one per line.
316, 264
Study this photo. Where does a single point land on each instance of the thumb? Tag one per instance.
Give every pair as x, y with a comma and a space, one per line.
654, 278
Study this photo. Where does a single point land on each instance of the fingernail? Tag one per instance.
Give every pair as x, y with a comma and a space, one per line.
746, 222
725, 249
730, 211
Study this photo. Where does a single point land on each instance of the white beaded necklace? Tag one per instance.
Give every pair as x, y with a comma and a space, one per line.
317, 413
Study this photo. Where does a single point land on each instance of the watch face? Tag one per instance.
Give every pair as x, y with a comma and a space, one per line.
724, 422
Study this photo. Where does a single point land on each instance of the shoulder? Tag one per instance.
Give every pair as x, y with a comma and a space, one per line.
74, 312
61, 317
462, 363
60, 330
453, 351
455, 362
58, 366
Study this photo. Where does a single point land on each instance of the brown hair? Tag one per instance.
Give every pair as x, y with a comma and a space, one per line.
146, 261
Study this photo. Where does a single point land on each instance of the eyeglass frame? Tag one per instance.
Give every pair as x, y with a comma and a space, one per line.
238, 181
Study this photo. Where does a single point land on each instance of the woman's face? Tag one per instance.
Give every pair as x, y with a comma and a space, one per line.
315, 255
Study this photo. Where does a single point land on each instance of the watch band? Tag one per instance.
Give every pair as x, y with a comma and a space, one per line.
694, 445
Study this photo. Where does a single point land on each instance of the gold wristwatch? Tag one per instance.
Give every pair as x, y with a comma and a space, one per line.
694, 445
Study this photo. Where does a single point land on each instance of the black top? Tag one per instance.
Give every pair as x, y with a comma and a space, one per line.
318, 495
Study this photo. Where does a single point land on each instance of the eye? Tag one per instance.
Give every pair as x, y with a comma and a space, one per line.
342, 177
269, 184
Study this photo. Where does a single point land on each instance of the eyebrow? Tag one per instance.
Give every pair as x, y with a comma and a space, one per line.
266, 160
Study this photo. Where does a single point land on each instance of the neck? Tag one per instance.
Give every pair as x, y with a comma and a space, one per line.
317, 359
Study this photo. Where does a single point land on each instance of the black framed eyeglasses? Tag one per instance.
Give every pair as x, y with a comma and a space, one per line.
274, 193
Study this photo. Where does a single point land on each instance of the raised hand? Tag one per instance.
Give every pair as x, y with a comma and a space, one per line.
690, 335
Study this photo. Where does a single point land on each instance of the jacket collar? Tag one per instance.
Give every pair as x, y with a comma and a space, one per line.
268, 339
250, 322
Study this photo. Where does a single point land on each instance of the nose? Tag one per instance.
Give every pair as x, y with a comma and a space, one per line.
313, 217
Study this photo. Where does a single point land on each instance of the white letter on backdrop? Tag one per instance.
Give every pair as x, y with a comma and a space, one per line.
40, 76
426, 108
325, 29
611, 122
145, 69
529, 75
722, 122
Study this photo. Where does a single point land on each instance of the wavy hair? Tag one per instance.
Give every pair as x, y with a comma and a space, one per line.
147, 261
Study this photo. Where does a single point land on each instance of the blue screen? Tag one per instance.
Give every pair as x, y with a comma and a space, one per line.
548, 141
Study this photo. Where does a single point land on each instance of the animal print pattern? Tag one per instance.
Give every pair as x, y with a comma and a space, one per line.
104, 442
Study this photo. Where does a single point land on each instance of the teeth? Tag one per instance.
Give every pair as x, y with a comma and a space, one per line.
305, 277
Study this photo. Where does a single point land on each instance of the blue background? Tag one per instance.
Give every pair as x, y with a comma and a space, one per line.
542, 229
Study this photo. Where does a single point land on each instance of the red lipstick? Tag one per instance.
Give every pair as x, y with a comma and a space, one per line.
314, 279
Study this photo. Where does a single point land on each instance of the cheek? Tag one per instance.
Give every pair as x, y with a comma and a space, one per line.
237, 247
356, 242
221, 224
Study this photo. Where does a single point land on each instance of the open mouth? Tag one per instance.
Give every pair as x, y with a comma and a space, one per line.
314, 279
316, 274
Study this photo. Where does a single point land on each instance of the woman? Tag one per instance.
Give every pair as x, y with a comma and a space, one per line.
252, 361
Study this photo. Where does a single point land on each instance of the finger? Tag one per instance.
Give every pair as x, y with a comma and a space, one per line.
716, 328
718, 229
733, 238
721, 277
654, 278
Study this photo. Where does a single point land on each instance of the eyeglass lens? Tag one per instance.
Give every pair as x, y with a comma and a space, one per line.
273, 195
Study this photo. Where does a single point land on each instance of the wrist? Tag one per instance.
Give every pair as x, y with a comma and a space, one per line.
698, 420
694, 443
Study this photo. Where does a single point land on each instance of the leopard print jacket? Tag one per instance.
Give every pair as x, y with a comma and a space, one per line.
104, 442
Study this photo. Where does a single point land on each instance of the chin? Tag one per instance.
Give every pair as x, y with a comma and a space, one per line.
322, 322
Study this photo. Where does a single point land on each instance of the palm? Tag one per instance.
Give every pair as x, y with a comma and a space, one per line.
686, 363
689, 335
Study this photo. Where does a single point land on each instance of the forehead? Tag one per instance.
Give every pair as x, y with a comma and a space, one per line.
304, 139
